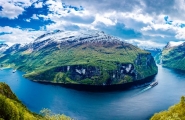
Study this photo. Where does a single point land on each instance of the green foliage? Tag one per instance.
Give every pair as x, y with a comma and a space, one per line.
87, 81
176, 112
128, 78
48, 115
12, 109
6, 91
174, 57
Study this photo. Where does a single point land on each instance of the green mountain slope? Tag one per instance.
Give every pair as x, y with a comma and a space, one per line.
80, 58
12, 109
176, 112
174, 57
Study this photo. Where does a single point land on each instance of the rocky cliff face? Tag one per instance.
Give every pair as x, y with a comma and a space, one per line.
83, 57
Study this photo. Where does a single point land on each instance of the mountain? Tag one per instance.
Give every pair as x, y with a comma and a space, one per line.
172, 44
3, 47
80, 57
174, 56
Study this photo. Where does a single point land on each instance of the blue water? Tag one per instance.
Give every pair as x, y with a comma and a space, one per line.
135, 104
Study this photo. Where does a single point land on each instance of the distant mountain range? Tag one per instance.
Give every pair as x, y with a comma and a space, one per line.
80, 57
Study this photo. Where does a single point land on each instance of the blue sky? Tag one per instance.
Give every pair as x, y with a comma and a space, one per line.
143, 22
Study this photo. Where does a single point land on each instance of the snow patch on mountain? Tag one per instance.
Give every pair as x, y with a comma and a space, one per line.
77, 36
173, 44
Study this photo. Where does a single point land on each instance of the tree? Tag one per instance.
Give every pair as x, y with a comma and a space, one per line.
182, 102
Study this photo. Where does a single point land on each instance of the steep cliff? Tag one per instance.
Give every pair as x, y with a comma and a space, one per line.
80, 57
174, 56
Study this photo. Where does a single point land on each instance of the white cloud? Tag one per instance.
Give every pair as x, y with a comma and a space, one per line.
146, 28
38, 5
180, 33
63, 17
180, 5
13, 8
55, 6
44, 16
141, 16
157, 27
18, 35
10, 10
28, 20
104, 19
54, 26
145, 43
35, 17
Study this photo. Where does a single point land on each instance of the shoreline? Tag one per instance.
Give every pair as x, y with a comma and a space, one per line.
102, 88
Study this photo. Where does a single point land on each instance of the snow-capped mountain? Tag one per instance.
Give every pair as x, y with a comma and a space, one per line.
81, 57
75, 36
72, 37
63, 38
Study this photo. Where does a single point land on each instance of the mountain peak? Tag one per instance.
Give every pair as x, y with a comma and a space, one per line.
173, 44
75, 36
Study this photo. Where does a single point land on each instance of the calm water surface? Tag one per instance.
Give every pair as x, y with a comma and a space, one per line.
135, 104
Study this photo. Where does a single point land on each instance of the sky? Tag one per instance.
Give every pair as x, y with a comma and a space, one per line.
150, 23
